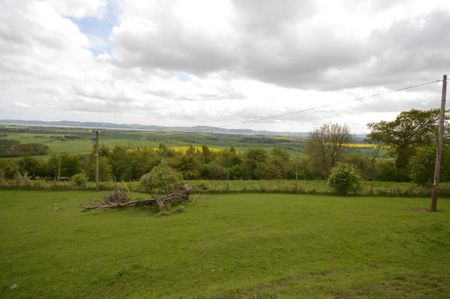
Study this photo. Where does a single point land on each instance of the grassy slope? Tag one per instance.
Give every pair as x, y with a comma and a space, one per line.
224, 246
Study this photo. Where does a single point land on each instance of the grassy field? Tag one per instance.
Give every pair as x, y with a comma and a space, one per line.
224, 246
370, 188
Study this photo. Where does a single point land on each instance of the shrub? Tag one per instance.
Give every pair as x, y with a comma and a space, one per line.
344, 178
161, 179
79, 180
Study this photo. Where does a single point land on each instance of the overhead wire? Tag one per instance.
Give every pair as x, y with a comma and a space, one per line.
333, 104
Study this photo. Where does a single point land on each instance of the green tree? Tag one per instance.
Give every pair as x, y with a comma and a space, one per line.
254, 164
64, 164
421, 165
410, 130
32, 167
105, 172
189, 165
120, 163
214, 171
8, 169
277, 164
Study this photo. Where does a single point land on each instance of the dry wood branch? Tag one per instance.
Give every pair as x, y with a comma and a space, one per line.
116, 199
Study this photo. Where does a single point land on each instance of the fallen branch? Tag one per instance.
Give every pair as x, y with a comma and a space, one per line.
118, 200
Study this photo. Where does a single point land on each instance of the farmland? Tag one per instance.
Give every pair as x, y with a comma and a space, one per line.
79, 141
224, 246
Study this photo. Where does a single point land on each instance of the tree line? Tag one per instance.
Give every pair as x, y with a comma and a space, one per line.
409, 141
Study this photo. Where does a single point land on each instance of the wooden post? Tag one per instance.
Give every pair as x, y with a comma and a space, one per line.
437, 165
97, 168
59, 168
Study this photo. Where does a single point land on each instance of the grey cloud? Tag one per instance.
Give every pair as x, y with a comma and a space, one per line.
267, 17
274, 42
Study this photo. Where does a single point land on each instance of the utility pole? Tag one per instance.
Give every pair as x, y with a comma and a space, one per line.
296, 168
97, 168
437, 165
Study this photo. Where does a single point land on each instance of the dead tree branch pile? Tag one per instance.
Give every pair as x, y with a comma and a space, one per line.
119, 199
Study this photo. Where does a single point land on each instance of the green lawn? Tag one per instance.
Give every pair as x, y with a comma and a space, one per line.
224, 246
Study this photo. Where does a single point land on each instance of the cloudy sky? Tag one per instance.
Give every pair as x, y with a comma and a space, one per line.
222, 62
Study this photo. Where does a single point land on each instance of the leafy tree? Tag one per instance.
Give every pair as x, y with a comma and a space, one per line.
385, 170
8, 169
105, 170
65, 163
32, 167
254, 164
421, 165
120, 163
14, 148
344, 178
189, 165
229, 158
325, 146
214, 171
165, 151
410, 130
207, 155
277, 164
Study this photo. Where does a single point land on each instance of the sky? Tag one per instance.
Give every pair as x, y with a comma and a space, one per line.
223, 63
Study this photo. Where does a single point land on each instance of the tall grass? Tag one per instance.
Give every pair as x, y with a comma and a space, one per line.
370, 188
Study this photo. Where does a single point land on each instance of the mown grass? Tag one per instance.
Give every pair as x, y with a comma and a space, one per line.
224, 246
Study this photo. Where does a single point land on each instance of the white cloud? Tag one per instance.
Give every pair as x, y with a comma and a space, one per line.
79, 8
220, 62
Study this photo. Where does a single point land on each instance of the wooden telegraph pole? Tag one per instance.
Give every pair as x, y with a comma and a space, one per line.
437, 165
97, 168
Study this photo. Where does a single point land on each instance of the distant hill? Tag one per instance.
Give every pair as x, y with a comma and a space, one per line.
137, 127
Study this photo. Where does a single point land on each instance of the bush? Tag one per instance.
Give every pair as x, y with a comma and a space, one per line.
344, 178
161, 179
79, 180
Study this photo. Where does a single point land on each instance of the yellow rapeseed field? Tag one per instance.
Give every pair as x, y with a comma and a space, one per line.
179, 149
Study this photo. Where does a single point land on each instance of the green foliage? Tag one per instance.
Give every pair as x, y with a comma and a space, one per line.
14, 148
33, 167
344, 179
254, 164
66, 164
79, 180
189, 165
386, 170
365, 164
8, 169
161, 179
410, 130
215, 171
421, 165
105, 171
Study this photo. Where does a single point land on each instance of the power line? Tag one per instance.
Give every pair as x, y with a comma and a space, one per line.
333, 104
